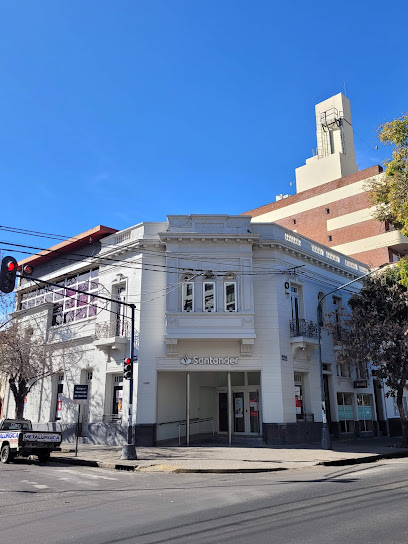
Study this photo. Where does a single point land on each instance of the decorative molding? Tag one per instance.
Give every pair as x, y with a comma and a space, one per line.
182, 222
247, 322
247, 347
302, 349
171, 347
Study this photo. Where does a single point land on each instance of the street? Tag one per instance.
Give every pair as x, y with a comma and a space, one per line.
52, 504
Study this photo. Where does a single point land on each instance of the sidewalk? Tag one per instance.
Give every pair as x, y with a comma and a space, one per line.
224, 459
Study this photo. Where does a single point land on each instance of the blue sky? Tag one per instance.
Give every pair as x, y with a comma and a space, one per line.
116, 112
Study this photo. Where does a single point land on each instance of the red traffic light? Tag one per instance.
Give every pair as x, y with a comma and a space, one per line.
8, 274
28, 269
127, 368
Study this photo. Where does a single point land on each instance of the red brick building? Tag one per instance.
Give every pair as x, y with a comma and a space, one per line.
331, 204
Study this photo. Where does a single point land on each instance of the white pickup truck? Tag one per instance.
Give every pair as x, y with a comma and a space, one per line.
18, 438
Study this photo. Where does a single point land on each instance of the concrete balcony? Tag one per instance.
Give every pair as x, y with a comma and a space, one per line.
111, 334
210, 325
303, 337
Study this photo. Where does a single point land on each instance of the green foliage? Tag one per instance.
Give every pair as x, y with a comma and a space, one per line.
403, 266
376, 332
390, 195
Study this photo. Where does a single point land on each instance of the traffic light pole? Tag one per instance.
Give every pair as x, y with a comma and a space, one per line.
129, 449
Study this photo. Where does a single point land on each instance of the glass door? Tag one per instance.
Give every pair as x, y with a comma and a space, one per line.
222, 412
254, 409
238, 406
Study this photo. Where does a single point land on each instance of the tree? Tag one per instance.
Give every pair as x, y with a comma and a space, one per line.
376, 332
390, 193
24, 360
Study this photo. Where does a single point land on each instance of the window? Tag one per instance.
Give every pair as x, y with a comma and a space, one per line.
327, 211
230, 296
209, 296
68, 305
299, 396
188, 297
364, 410
361, 370
295, 292
404, 404
330, 238
343, 370
294, 221
345, 412
208, 292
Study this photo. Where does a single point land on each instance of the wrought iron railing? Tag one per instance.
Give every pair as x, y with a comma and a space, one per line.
302, 327
109, 329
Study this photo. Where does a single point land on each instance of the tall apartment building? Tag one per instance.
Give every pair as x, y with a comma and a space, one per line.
331, 204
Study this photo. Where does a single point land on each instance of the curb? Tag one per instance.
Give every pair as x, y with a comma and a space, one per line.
227, 470
362, 460
179, 470
88, 463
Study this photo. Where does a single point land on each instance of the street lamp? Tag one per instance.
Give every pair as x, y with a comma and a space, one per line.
325, 438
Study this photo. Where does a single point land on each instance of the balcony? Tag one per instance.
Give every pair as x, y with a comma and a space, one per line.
302, 327
111, 334
303, 338
211, 326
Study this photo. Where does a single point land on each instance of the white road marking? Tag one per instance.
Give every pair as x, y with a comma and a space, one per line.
87, 474
34, 484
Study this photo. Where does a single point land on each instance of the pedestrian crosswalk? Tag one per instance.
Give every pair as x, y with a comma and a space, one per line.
52, 478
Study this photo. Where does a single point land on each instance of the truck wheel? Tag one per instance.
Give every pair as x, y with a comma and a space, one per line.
6, 456
44, 457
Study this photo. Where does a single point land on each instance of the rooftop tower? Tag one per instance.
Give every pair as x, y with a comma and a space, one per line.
335, 157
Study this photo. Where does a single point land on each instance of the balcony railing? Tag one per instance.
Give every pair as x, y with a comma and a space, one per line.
110, 329
302, 327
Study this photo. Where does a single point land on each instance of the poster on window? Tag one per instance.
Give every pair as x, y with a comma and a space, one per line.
59, 406
298, 400
239, 407
253, 408
119, 397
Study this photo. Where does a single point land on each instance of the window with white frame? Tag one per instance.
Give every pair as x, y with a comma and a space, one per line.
365, 411
345, 412
230, 296
188, 296
209, 296
208, 292
69, 305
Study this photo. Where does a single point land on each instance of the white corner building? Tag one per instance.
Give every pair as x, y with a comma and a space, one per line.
226, 334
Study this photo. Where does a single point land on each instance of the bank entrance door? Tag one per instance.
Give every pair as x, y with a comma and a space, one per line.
244, 409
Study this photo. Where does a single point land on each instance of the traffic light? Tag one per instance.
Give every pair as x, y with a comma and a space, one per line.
28, 269
8, 273
127, 369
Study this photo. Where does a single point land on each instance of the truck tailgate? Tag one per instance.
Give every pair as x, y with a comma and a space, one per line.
40, 439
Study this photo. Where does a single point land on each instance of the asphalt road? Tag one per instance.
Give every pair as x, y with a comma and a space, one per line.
61, 504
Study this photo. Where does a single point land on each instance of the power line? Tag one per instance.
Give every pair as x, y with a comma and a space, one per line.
182, 269
141, 250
